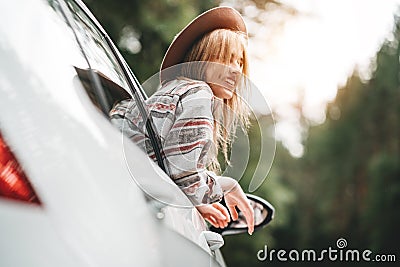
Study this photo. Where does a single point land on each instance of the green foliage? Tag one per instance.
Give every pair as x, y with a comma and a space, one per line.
347, 185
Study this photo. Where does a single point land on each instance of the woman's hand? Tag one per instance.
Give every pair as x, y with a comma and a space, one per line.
215, 213
235, 197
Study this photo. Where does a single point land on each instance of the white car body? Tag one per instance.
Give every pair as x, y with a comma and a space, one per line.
92, 212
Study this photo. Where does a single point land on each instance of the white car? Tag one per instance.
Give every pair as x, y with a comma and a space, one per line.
73, 190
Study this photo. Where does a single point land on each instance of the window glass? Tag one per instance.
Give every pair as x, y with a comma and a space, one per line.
98, 52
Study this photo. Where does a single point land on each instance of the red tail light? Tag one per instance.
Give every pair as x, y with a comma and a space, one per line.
13, 181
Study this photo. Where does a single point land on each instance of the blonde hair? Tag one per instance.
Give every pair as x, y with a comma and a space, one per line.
219, 46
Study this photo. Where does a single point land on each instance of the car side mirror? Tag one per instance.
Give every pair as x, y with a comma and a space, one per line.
263, 214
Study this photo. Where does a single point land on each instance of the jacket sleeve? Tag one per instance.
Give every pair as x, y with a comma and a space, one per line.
188, 147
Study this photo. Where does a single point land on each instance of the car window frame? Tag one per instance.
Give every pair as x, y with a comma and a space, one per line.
134, 86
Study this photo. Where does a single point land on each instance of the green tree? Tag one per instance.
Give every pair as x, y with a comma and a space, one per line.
349, 183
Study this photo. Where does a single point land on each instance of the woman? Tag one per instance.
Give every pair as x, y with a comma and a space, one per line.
197, 109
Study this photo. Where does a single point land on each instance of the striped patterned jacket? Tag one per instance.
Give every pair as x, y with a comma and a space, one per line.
182, 111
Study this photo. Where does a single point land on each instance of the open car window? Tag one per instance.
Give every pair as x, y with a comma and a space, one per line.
106, 81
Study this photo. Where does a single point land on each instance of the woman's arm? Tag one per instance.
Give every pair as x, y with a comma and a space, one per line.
188, 145
234, 196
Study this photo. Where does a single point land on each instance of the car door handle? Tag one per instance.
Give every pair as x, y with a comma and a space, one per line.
214, 240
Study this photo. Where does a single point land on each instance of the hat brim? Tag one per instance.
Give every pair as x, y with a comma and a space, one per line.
215, 18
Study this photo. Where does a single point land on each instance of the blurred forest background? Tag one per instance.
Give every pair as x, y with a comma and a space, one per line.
346, 184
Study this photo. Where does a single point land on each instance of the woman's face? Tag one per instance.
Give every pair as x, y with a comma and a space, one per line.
223, 78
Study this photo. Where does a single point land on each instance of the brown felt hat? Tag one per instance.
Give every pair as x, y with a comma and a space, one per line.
213, 19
